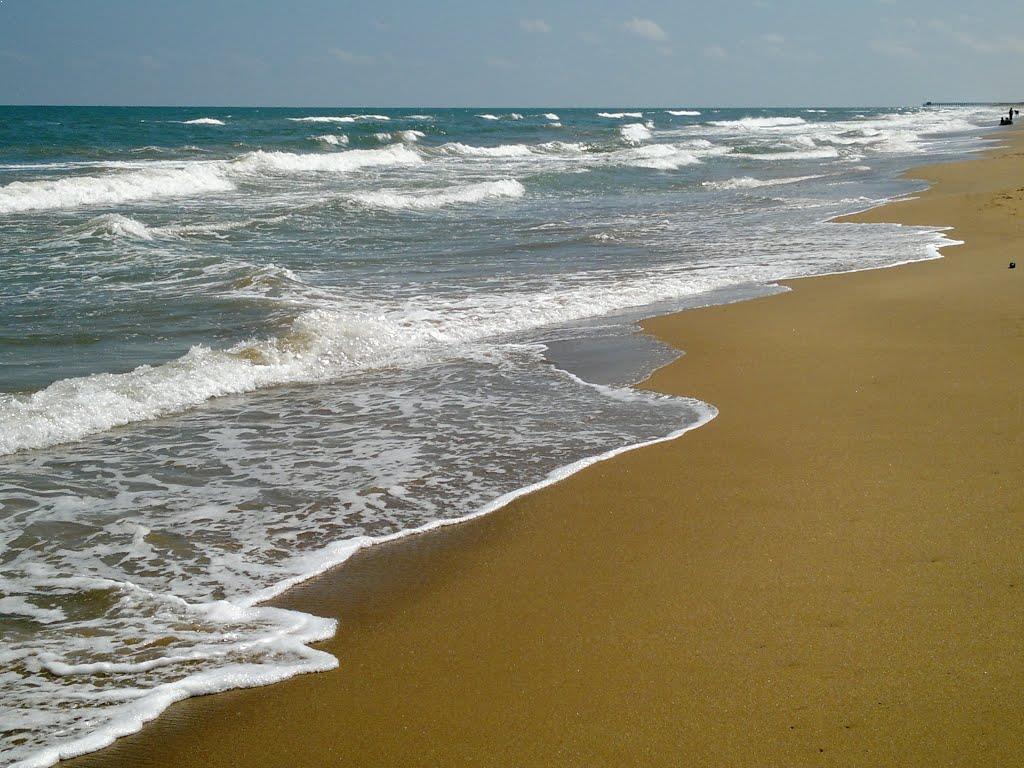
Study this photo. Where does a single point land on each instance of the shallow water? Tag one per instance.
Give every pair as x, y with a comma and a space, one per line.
237, 344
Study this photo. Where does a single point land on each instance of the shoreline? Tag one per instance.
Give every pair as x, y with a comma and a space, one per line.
180, 726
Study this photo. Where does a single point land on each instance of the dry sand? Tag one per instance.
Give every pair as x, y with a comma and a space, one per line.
830, 573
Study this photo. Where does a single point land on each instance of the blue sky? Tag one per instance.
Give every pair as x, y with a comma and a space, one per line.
557, 53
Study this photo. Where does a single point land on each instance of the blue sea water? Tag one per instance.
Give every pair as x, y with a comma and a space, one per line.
238, 344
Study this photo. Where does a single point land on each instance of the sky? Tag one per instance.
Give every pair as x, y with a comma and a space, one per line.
486, 53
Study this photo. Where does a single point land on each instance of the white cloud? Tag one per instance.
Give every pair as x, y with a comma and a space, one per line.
645, 28
535, 25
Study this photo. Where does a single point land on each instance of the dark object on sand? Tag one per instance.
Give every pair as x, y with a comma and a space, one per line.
1005, 121
1013, 265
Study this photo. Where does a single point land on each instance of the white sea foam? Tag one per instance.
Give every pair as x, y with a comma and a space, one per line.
419, 117
515, 116
338, 162
286, 635
321, 344
662, 157
73, 191
619, 115
634, 133
406, 136
748, 182
824, 153
440, 198
333, 139
488, 116
322, 119
204, 121
759, 123
17, 605
114, 225
502, 150
683, 112
186, 179
551, 116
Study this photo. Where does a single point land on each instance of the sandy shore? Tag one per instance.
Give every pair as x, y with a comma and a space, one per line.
830, 573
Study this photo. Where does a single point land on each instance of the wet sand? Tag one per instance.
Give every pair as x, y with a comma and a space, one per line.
830, 573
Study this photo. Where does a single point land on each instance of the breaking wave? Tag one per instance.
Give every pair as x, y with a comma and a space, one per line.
748, 182
186, 180
331, 139
758, 123
424, 201
75, 191
634, 133
502, 150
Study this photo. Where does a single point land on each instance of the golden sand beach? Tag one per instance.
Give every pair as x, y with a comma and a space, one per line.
829, 573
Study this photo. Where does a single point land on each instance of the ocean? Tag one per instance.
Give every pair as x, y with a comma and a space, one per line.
239, 344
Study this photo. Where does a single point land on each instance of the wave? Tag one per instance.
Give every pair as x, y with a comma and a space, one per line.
291, 633
619, 115
338, 118
634, 133
551, 116
334, 140
661, 157
502, 150
113, 226
757, 123
150, 184
203, 121
322, 344
748, 182
419, 117
423, 201
407, 136
340, 162
321, 119
488, 116
186, 180
823, 153
683, 112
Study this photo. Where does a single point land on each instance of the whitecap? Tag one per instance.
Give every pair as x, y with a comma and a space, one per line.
748, 182
502, 150
634, 133
433, 199
334, 140
759, 123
